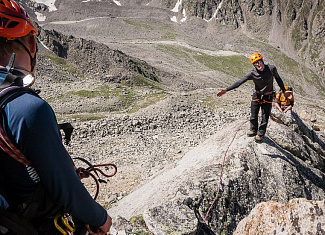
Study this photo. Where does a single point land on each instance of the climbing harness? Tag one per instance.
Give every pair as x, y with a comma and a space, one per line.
263, 97
219, 184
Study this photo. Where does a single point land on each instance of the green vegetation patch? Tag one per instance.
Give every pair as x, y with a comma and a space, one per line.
138, 24
63, 63
176, 51
235, 65
169, 32
121, 98
148, 100
87, 117
140, 81
170, 36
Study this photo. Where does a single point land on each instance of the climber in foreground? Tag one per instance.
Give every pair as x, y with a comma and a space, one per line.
41, 182
263, 76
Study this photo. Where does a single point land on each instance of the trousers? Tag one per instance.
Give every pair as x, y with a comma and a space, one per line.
265, 104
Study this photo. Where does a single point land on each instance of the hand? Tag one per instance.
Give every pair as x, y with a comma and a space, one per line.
102, 230
105, 228
221, 92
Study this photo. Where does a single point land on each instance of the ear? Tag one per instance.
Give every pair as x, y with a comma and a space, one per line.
32, 44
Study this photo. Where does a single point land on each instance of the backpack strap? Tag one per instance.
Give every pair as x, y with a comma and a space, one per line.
11, 80
6, 95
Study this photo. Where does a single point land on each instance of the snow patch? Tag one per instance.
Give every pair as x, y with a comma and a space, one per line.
175, 9
174, 19
117, 2
44, 45
215, 13
49, 3
40, 16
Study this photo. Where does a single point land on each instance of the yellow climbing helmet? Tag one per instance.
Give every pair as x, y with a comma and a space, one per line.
255, 57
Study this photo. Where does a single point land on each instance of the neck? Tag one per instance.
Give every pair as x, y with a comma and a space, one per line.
21, 60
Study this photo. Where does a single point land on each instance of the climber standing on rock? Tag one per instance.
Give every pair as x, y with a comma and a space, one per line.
263, 76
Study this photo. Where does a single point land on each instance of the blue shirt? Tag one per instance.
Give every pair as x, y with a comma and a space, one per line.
31, 124
3, 202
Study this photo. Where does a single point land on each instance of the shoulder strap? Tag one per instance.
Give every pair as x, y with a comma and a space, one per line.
11, 80
7, 95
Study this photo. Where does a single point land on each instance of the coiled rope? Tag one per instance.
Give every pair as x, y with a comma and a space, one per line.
93, 170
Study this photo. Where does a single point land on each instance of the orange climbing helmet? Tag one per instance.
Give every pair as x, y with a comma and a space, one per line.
255, 57
14, 20
287, 88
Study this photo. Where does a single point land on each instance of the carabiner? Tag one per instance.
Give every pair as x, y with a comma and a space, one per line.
66, 221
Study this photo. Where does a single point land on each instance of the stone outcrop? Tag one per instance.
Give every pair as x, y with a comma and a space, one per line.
298, 216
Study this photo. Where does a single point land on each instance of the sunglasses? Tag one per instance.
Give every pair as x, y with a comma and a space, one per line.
257, 62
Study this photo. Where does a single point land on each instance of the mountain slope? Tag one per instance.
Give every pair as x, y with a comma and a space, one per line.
168, 132
145, 30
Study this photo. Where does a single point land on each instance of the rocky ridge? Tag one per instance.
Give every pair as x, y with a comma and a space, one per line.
170, 153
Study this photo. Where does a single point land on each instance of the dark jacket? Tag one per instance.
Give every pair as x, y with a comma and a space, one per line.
263, 80
30, 123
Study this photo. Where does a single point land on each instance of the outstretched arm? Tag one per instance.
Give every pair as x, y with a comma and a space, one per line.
221, 92
234, 85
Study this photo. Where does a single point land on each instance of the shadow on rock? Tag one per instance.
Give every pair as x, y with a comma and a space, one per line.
202, 228
304, 171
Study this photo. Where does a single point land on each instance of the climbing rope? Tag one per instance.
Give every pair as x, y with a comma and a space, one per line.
8, 147
223, 163
93, 170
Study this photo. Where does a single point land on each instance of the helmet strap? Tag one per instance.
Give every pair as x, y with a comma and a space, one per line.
26, 81
12, 79
10, 65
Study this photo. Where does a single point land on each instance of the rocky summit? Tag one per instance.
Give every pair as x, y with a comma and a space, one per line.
137, 79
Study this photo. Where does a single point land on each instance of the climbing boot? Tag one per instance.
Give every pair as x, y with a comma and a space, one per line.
251, 133
258, 138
